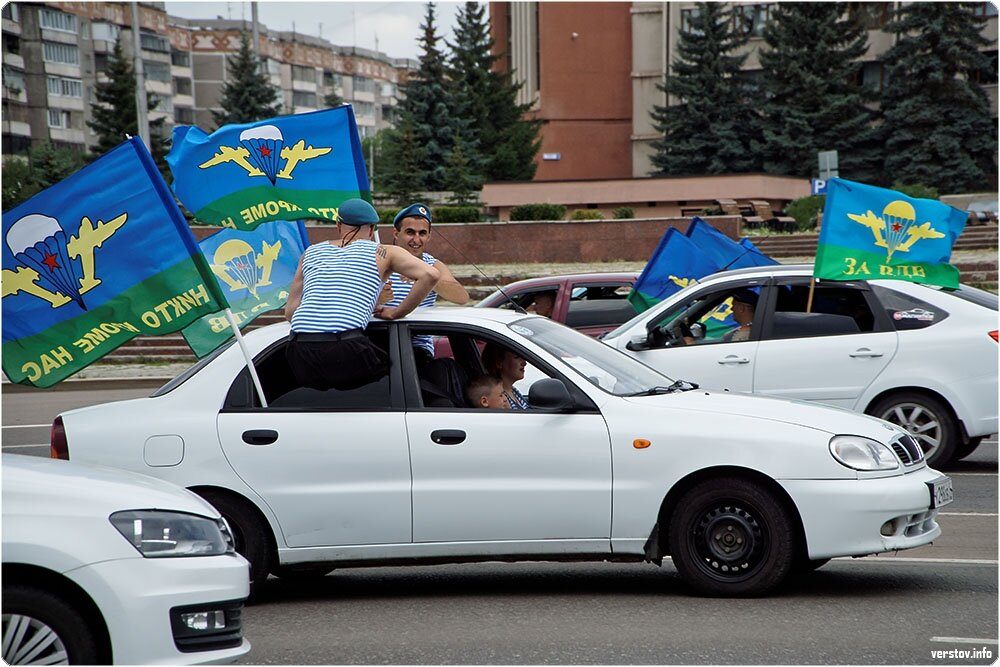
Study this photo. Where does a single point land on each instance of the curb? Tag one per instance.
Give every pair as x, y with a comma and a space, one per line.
84, 384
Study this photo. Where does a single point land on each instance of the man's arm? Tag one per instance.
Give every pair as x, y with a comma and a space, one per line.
393, 259
448, 288
294, 294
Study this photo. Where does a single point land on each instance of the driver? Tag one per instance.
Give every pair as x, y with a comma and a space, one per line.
744, 307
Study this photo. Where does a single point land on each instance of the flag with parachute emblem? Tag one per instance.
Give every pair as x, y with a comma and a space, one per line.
676, 263
94, 261
255, 270
284, 168
725, 252
875, 233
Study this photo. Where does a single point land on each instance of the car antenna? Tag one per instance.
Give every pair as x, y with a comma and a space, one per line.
517, 307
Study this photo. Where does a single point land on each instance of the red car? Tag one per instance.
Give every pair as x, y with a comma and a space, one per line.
592, 303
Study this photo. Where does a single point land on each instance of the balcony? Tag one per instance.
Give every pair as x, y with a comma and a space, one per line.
19, 128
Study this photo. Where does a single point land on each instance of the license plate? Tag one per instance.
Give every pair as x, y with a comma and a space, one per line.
941, 492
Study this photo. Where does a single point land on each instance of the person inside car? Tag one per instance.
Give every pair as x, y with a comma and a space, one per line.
543, 303
744, 307
486, 391
508, 367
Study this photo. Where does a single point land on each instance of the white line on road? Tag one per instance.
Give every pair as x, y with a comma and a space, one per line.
20, 446
28, 426
967, 514
964, 640
972, 474
909, 559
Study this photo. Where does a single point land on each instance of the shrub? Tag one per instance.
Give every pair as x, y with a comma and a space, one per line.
623, 213
806, 210
538, 212
917, 190
586, 214
457, 214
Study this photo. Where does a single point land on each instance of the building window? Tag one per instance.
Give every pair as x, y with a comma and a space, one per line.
301, 99
164, 103
871, 15
55, 20
388, 114
16, 143
302, 73
12, 12
180, 58
11, 43
332, 79
66, 54
988, 75
273, 67
363, 85
153, 42
13, 81
63, 87
184, 115
104, 32
182, 86
872, 76
58, 118
686, 20
986, 9
156, 71
750, 19
388, 90
366, 109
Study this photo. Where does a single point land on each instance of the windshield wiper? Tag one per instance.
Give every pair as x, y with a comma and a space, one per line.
679, 385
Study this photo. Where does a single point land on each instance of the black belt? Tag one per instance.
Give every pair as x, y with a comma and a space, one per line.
326, 337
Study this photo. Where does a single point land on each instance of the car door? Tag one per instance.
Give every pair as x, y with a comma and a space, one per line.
827, 350
483, 475
332, 466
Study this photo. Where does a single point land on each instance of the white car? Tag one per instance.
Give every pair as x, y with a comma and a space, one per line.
611, 462
104, 566
921, 357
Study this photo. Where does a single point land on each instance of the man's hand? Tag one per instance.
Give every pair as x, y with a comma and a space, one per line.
387, 313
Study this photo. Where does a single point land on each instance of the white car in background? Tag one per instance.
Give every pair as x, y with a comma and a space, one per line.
104, 566
922, 357
612, 461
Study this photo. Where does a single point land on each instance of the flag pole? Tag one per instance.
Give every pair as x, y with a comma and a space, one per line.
246, 355
812, 288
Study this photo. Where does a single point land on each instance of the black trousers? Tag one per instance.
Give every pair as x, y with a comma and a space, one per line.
341, 361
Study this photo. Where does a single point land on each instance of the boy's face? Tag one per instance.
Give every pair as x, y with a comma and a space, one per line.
494, 399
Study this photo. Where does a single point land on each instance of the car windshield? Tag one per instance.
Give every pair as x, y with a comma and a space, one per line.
601, 365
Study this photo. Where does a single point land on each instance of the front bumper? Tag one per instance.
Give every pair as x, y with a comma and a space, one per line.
845, 517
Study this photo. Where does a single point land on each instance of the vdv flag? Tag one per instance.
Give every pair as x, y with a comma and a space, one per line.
254, 270
871, 232
285, 168
93, 261
676, 263
725, 252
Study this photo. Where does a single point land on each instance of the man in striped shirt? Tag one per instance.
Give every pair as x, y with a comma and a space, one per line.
333, 297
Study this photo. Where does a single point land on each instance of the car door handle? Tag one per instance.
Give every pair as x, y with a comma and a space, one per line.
448, 437
865, 352
260, 437
733, 359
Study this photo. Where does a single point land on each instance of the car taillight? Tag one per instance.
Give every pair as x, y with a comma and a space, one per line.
993, 335
58, 447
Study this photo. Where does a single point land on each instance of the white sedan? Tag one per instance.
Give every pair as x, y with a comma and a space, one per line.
612, 461
104, 566
921, 357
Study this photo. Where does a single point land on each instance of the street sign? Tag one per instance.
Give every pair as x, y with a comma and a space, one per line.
819, 186
828, 166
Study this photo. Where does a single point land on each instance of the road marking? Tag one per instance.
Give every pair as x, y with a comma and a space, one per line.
971, 474
29, 426
967, 514
911, 559
964, 640
17, 446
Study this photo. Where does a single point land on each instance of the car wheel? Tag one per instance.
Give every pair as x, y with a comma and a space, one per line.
731, 537
967, 447
40, 628
925, 418
249, 534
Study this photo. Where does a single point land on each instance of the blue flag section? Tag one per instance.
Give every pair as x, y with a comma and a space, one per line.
675, 264
254, 270
93, 261
726, 253
284, 168
871, 232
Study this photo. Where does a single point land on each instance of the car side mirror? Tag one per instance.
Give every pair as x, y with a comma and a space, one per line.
638, 343
550, 395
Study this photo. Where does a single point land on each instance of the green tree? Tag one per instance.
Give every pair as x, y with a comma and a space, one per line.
115, 113
461, 175
18, 182
248, 94
506, 141
331, 100
938, 126
399, 173
710, 130
45, 166
814, 101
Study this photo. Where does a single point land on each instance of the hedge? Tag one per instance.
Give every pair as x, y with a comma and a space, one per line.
538, 212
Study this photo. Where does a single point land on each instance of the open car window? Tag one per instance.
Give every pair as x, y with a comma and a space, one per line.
823, 310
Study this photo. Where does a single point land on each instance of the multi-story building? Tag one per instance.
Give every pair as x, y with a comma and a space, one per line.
592, 69
54, 53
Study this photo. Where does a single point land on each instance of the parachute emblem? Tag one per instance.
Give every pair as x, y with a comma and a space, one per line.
262, 152
898, 230
238, 265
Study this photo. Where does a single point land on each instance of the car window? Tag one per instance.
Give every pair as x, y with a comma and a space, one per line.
906, 311
599, 305
283, 394
832, 310
972, 295
707, 319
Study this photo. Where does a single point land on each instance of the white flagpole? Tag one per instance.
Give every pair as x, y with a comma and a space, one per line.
246, 355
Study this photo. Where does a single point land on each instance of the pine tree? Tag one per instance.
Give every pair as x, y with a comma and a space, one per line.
938, 126
115, 113
331, 100
399, 175
814, 100
506, 140
248, 94
461, 176
710, 130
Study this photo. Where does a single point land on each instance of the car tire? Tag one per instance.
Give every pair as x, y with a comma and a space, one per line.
731, 537
33, 615
967, 448
250, 535
927, 419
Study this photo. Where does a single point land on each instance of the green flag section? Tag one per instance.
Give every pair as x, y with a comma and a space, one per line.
93, 261
255, 270
872, 233
284, 168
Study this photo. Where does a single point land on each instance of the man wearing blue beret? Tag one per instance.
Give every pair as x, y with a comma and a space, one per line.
412, 233
333, 297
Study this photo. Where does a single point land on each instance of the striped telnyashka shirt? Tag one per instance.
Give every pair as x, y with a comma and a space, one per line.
339, 288
401, 289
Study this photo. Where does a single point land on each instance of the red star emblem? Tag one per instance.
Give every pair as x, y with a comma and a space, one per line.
265, 151
50, 261
896, 226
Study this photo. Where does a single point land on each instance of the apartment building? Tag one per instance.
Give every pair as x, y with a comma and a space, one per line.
54, 53
591, 70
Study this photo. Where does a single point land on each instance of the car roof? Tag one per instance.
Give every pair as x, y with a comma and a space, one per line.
544, 281
465, 315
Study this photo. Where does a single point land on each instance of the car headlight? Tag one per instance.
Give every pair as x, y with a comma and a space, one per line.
861, 453
160, 534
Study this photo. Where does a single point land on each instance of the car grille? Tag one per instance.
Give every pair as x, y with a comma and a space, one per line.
907, 450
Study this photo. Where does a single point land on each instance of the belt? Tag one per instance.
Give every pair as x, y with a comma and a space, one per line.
305, 337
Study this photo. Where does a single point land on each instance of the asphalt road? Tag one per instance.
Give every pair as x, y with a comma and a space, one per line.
890, 609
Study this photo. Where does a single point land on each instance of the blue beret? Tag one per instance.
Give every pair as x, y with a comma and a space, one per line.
417, 210
357, 212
